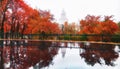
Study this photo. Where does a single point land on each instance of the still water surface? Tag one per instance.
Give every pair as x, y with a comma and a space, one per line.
59, 55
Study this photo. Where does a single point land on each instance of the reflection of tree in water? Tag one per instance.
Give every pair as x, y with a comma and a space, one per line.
23, 57
97, 53
1, 58
119, 46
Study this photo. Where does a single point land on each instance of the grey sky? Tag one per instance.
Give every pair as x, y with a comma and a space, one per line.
78, 9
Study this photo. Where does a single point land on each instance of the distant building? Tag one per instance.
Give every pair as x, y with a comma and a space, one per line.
62, 19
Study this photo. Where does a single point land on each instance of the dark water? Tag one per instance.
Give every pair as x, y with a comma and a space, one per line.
58, 55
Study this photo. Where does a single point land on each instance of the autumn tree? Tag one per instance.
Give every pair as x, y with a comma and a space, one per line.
3, 9
93, 25
14, 16
109, 26
88, 25
41, 21
47, 25
119, 28
17, 18
70, 28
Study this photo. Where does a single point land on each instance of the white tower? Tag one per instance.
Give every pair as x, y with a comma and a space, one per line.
63, 17
62, 20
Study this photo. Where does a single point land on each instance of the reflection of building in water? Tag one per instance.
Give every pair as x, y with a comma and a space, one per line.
63, 52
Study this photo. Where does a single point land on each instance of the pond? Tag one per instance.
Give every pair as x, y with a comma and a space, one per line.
59, 55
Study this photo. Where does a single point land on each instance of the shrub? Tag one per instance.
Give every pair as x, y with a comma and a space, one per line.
115, 38
83, 37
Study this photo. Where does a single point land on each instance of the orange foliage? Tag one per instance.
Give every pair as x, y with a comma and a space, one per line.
15, 13
93, 25
119, 28
89, 24
20, 18
41, 21
70, 28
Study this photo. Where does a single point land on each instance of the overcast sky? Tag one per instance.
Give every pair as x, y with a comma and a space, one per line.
78, 9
